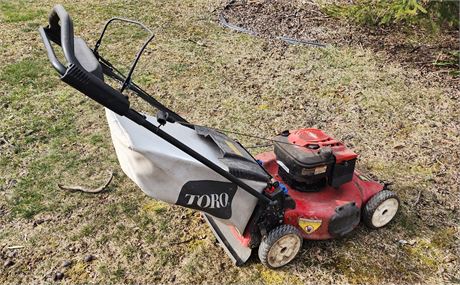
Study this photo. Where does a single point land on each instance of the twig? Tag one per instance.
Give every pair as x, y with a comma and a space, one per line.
201, 44
414, 49
87, 190
4, 141
417, 199
15, 247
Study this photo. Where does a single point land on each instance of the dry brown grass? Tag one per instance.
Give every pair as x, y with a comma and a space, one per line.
405, 128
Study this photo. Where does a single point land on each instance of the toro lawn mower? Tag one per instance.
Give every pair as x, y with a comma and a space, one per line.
307, 188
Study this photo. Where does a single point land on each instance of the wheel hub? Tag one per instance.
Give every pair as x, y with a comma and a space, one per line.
385, 212
284, 250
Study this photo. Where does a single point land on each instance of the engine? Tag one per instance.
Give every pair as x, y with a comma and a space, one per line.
309, 159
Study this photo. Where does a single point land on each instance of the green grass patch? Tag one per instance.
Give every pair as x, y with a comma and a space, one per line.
426, 255
19, 11
28, 203
34, 196
445, 238
33, 73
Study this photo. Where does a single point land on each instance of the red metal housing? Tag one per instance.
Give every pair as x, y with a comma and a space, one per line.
321, 206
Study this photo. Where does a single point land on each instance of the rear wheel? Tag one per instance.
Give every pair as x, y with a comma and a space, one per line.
380, 209
280, 247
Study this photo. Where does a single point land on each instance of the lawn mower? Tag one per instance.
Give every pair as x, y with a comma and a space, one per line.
307, 188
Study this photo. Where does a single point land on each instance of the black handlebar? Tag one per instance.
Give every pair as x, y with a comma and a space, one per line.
50, 52
59, 14
60, 31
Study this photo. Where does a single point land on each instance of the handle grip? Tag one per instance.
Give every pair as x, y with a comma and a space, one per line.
50, 52
60, 31
63, 31
61, 34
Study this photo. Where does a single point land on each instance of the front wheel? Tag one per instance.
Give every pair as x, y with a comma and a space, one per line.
380, 209
280, 246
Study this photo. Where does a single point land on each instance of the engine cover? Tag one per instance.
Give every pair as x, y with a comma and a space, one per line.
308, 159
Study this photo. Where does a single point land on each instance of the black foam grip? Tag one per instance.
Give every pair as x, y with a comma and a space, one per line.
96, 89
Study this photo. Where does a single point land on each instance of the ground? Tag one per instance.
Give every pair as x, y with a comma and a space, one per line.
404, 125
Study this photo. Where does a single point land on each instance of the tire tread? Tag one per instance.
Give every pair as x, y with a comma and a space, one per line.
272, 237
372, 205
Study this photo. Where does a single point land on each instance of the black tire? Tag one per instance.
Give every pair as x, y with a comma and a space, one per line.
381, 209
285, 234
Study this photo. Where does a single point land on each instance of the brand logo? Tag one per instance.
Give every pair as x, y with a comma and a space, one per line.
208, 201
212, 197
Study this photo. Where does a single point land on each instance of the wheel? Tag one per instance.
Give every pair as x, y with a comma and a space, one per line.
280, 246
380, 209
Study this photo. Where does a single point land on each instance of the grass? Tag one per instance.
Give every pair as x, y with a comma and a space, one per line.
19, 11
54, 135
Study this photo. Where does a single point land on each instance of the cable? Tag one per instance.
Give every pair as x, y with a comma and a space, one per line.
223, 21
259, 146
238, 133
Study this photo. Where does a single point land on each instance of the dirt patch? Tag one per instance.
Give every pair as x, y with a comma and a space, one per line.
305, 21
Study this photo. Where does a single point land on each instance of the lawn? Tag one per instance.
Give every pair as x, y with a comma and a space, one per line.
404, 124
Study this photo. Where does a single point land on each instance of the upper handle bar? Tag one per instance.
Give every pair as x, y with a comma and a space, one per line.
127, 80
59, 14
60, 31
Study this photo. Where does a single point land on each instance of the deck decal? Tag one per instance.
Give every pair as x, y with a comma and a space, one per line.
212, 197
309, 225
